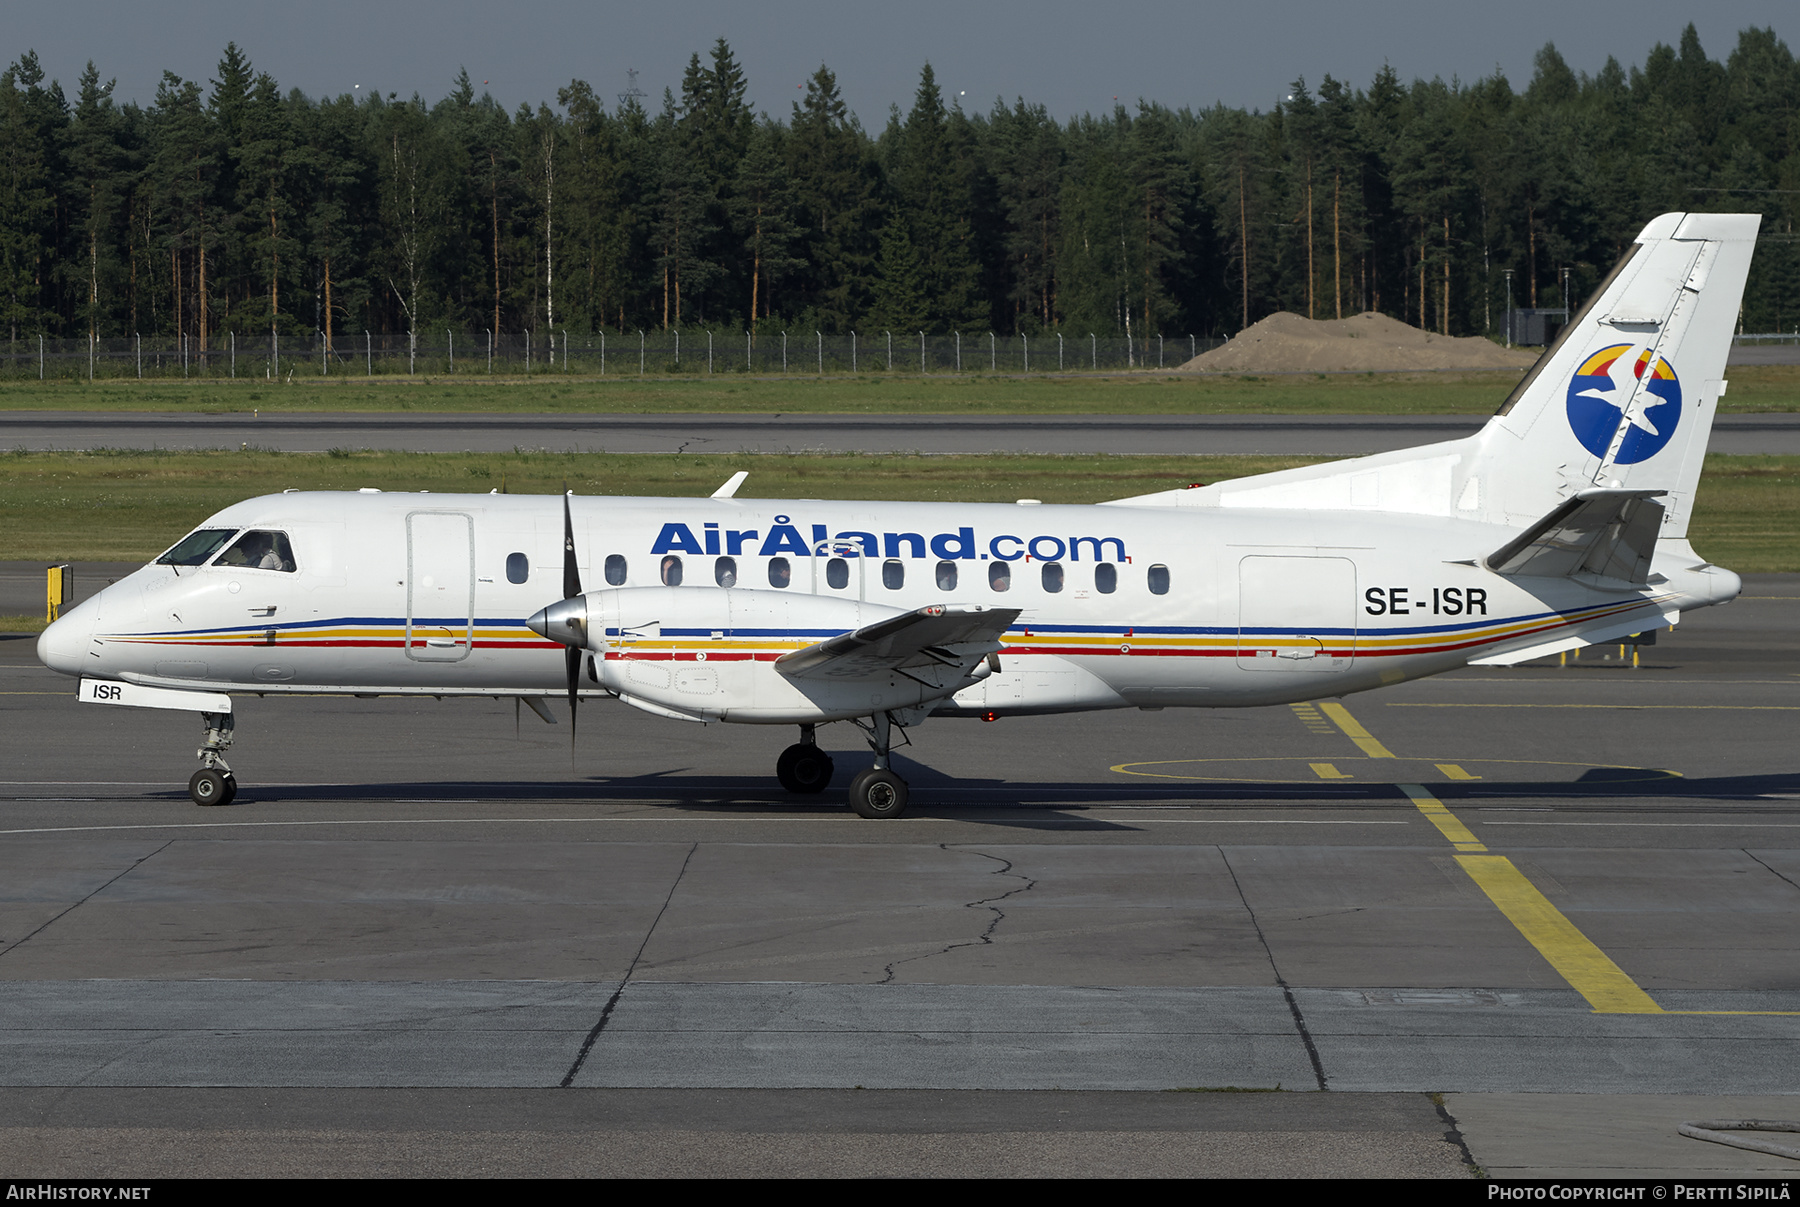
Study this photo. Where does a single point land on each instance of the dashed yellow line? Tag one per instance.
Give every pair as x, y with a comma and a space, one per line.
1327, 771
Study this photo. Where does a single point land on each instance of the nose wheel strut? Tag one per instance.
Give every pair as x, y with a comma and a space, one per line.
214, 784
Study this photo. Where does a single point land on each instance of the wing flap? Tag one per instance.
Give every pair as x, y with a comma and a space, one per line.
922, 644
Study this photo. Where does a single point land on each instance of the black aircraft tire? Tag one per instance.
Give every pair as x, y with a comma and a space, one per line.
878, 795
804, 769
210, 787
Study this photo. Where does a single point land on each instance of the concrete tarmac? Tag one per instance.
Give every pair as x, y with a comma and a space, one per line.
1289, 435
420, 942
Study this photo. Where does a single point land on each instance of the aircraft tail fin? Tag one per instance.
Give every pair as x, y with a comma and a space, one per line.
1625, 397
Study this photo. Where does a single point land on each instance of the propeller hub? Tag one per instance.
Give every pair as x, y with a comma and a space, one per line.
565, 621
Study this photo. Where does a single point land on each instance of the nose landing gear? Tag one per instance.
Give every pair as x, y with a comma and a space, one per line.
214, 784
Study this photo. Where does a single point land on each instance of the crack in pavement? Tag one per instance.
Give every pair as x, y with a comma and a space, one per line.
989, 903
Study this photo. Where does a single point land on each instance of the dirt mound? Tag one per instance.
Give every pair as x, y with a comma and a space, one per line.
1366, 343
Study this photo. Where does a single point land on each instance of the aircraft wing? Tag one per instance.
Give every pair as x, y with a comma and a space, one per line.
1606, 533
937, 645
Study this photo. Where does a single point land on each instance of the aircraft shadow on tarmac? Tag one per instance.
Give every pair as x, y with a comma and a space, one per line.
935, 794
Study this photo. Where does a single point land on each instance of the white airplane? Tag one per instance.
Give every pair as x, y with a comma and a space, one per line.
1562, 523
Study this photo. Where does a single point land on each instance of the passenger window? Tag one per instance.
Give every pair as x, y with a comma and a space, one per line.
946, 576
194, 548
1159, 580
780, 572
518, 567
837, 574
1000, 575
1053, 577
893, 574
257, 550
615, 569
725, 572
1106, 578
671, 571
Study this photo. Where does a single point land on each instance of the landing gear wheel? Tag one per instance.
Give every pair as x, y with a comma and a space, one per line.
804, 768
878, 794
210, 787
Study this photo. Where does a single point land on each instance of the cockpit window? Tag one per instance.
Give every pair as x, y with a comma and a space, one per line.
258, 550
196, 547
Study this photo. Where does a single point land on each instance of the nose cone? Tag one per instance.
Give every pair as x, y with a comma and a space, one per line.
63, 646
565, 621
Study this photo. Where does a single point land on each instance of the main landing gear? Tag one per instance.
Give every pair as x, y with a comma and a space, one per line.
214, 784
875, 793
803, 767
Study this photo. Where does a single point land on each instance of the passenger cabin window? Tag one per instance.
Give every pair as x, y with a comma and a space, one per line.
671, 571
1053, 577
837, 574
615, 569
893, 574
946, 576
1000, 575
1106, 578
196, 547
1159, 580
259, 550
518, 567
725, 571
781, 573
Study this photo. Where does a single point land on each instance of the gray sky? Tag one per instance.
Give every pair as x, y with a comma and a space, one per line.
1070, 57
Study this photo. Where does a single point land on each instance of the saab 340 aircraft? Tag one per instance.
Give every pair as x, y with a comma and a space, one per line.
1562, 523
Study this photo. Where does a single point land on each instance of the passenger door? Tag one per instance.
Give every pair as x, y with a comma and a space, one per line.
440, 586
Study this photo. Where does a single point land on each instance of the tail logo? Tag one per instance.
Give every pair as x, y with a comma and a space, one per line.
1601, 392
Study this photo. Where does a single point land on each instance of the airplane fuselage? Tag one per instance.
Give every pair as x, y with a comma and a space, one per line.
1119, 606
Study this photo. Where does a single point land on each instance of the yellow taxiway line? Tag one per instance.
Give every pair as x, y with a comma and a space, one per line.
1587, 969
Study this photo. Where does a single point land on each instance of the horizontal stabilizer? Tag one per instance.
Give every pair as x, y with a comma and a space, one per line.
938, 645
1609, 534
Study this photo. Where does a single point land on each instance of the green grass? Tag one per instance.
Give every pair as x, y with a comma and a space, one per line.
126, 506
1144, 393
1754, 388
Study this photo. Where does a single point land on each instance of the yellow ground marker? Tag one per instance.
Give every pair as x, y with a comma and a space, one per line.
1326, 771
1575, 958
1340, 716
1452, 771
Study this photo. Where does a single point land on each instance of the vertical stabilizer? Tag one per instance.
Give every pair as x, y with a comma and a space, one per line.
1625, 398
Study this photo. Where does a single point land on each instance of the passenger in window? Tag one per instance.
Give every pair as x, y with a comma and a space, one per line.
893, 574
946, 576
1106, 578
671, 571
1000, 575
780, 573
1053, 577
725, 572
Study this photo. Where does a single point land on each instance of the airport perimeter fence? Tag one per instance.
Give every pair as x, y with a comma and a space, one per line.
694, 352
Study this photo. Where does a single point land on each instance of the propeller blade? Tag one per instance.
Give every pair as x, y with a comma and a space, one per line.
571, 572
571, 588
